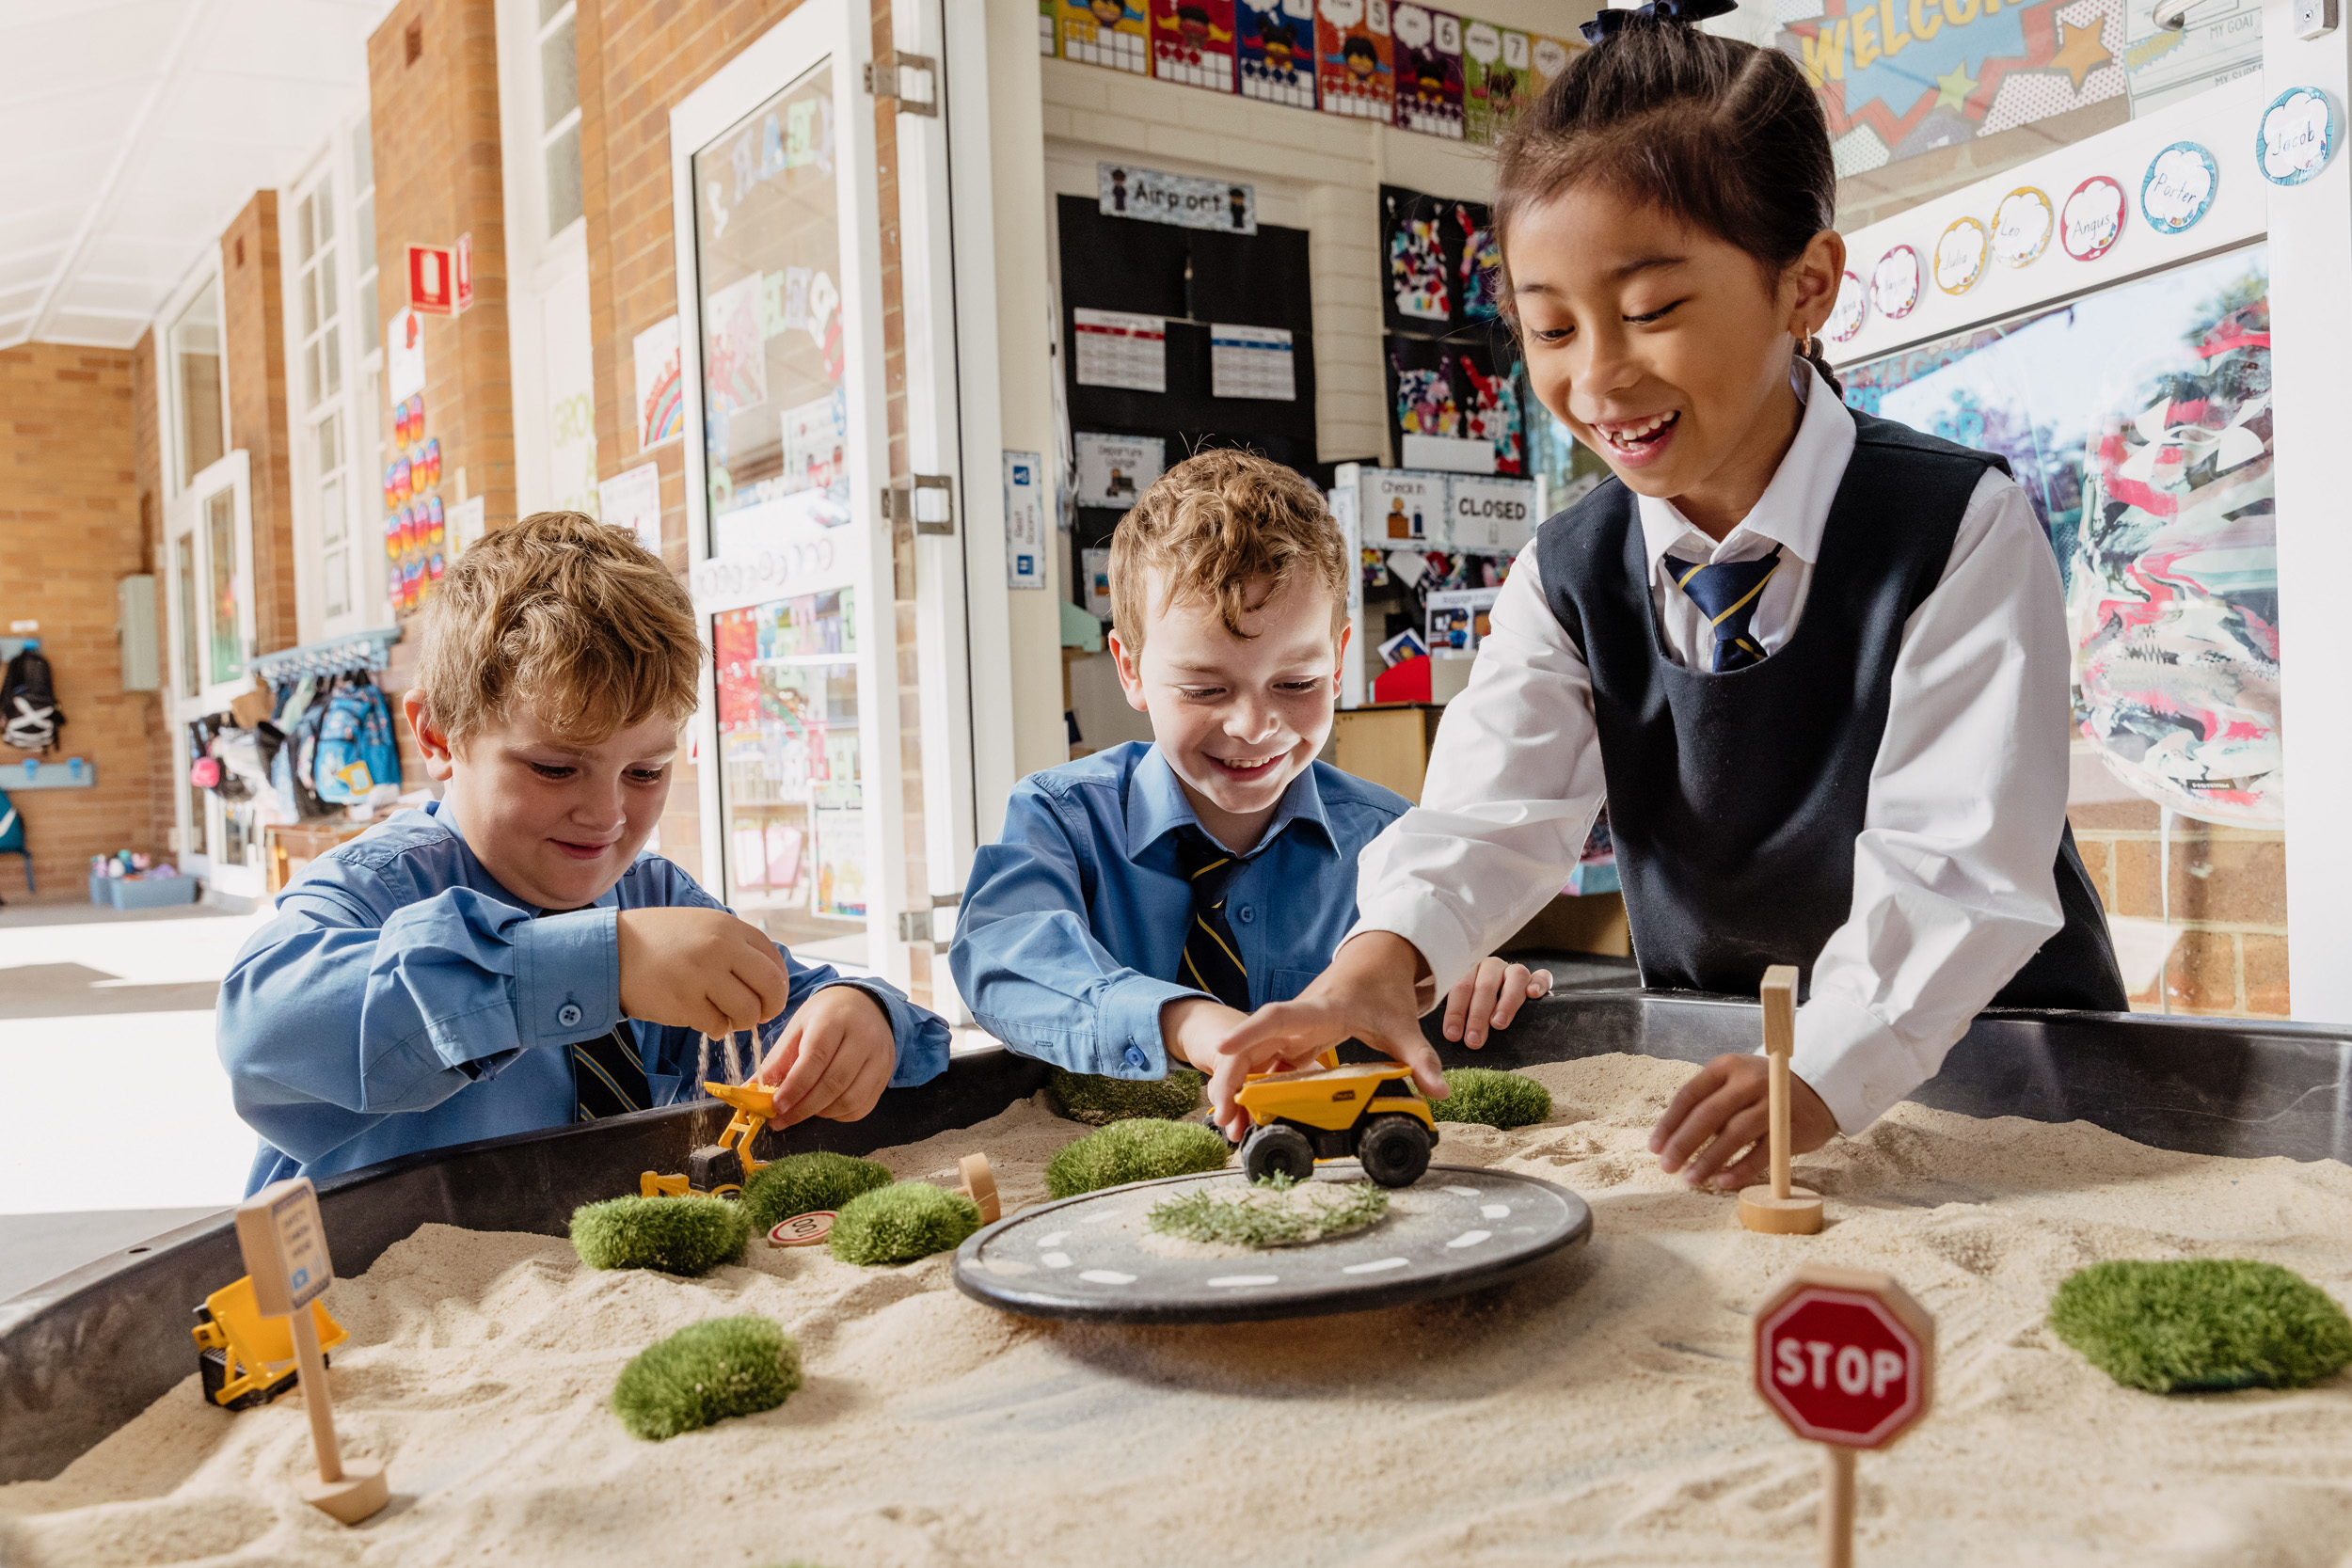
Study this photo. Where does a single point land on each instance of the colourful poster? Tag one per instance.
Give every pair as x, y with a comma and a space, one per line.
1354, 59
1428, 70
1106, 33
1192, 42
1550, 56
1278, 52
661, 401
1498, 79
1901, 77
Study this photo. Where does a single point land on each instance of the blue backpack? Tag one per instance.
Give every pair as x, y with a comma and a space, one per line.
355, 748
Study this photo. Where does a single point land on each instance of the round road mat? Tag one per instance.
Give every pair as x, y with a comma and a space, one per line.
1094, 1257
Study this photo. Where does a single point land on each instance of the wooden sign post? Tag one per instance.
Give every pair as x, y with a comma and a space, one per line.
1847, 1359
285, 1252
980, 1185
1776, 1207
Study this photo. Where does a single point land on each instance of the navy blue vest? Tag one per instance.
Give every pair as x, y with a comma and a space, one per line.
1735, 799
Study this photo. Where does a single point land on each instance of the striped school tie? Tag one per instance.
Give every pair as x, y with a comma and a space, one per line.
608, 1080
1728, 592
1212, 957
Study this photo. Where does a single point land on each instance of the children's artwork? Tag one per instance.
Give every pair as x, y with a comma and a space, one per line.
840, 861
1354, 59
1115, 348
1277, 46
1106, 33
815, 438
1498, 79
1192, 42
2139, 420
1420, 286
735, 353
1490, 408
1423, 375
660, 394
1428, 56
1251, 362
1116, 471
1479, 273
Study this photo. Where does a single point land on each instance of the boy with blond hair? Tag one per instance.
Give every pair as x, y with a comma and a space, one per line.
1143, 900
509, 958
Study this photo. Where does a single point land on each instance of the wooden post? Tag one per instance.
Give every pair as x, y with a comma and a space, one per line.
1776, 1207
285, 1253
1836, 1507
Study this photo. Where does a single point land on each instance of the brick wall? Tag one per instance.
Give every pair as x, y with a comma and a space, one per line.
253, 334
68, 529
2226, 891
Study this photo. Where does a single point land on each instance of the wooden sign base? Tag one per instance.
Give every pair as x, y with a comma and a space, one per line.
360, 1495
1798, 1214
980, 1185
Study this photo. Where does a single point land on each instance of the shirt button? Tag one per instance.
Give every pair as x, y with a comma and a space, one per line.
1245, 914
1137, 1059
567, 1015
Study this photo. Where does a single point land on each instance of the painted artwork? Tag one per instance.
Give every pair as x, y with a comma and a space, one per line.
1896, 80
1498, 79
2137, 419
1480, 270
1192, 42
1490, 409
1428, 70
1417, 269
1277, 42
1425, 404
1106, 33
1354, 59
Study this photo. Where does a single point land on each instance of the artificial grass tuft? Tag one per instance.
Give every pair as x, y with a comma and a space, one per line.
902, 1222
804, 1183
674, 1235
1135, 1152
1276, 1211
2201, 1323
1098, 1101
706, 1373
1492, 1099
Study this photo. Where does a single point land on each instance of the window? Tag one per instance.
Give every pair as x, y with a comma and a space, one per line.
559, 113
183, 592
314, 287
227, 650
199, 393
364, 232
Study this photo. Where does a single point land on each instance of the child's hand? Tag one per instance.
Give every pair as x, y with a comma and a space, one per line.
1373, 992
1192, 1027
833, 1060
1490, 997
699, 969
1728, 1103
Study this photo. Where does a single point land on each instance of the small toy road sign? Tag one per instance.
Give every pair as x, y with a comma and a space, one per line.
1845, 1357
803, 1230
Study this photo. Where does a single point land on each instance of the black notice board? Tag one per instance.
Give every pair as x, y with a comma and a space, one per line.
1192, 276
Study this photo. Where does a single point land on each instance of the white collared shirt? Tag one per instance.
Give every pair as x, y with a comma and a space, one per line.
1953, 884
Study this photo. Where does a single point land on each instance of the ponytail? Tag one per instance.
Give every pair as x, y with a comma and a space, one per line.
1810, 352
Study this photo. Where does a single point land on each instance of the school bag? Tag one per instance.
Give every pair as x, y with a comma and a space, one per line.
355, 748
293, 773
29, 716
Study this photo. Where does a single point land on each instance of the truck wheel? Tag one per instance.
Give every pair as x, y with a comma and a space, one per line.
1277, 1151
1394, 1150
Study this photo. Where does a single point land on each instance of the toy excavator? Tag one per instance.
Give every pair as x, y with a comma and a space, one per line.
246, 1359
1368, 1109
719, 1169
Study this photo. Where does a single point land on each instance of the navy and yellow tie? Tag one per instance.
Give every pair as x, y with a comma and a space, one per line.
608, 1080
1728, 593
1212, 957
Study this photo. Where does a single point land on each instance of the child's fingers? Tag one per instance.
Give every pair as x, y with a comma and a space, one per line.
1743, 1132
1487, 987
1706, 1120
820, 1044
760, 972
872, 1075
736, 1003
1457, 1004
778, 1064
827, 1094
1687, 1099
1538, 984
1519, 987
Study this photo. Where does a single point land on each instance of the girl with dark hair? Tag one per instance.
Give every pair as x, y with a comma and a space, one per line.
1815, 663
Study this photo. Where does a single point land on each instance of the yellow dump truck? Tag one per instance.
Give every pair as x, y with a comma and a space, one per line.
1369, 1110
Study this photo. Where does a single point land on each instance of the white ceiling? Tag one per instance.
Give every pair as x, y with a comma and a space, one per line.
132, 131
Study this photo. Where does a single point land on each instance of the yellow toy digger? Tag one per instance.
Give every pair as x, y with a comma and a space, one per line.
1368, 1109
247, 1359
719, 1169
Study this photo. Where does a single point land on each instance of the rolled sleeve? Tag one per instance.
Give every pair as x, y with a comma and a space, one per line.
567, 975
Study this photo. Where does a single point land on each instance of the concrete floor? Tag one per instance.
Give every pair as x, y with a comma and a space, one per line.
115, 1122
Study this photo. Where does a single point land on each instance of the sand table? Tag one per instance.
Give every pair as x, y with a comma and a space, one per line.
1597, 1412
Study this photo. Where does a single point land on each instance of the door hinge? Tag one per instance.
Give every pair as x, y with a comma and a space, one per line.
912, 79
927, 500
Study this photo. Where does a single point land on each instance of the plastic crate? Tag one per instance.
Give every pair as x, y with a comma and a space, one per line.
139, 893
98, 894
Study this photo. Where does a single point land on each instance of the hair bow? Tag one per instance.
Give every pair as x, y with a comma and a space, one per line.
1689, 13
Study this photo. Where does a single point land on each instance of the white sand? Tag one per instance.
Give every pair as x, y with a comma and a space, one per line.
1598, 1412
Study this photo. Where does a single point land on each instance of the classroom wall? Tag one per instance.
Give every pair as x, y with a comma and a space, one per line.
69, 531
254, 341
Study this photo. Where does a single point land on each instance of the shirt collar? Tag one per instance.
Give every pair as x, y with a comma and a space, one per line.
1794, 508
1156, 807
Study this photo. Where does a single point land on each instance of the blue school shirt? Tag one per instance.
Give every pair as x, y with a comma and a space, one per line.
1071, 920
403, 1001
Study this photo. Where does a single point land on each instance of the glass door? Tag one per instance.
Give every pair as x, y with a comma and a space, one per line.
209, 611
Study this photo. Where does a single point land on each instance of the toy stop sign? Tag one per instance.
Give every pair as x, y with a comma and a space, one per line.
1845, 1357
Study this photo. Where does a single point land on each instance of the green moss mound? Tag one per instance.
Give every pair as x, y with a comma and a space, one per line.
1100, 1101
1492, 1099
902, 1222
2202, 1323
1135, 1152
674, 1235
706, 1373
804, 1183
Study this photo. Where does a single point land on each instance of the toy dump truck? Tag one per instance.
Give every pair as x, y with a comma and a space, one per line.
719, 1169
1369, 1109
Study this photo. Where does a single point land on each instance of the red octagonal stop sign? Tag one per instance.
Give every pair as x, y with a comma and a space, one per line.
1845, 1357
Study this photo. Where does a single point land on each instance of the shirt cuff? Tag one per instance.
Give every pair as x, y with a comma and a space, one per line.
920, 1037
567, 976
1857, 1065
1443, 944
1128, 1044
